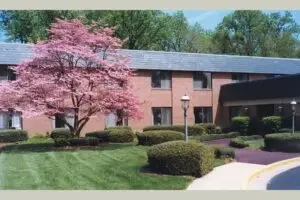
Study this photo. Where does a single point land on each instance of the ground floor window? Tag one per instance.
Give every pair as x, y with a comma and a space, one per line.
117, 119
162, 116
60, 118
203, 115
10, 120
235, 111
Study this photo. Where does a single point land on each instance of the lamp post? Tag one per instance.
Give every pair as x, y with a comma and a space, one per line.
293, 104
185, 105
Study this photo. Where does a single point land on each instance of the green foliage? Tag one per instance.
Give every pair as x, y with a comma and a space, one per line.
210, 128
271, 124
103, 136
61, 141
149, 138
238, 143
240, 124
224, 152
285, 130
181, 158
120, 134
84, 141
218, 130
13, 135
251, 137
192, 130
218, 136
284, 142
61, 133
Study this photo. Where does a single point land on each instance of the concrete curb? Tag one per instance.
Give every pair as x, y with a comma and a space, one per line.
267, 168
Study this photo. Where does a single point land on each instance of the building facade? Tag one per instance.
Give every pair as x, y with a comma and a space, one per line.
161, 79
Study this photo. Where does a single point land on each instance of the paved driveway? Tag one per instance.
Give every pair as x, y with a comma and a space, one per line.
256, 156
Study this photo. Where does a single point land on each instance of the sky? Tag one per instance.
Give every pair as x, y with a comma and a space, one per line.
208, 19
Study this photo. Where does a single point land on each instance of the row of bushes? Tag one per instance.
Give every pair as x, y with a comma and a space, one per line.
241, 141
81, 141
149, 138
112, 135
13, 135
285, 142
247, 126
194, 130
218, 136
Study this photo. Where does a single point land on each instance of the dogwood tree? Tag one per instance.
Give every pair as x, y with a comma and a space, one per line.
78, 68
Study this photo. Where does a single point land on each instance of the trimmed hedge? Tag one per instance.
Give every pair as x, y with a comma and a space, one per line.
218, 136
238, 143
271, 124
192, 130
285, 130
61, 141
149, 138
210, 128
13, 135
224, 152
103, 136
84, 141
240, 124
120, 134
181, 158
284, 142
61, 133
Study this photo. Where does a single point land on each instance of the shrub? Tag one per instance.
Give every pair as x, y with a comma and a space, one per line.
120, 135
238, 143
218, 130
156, 137
240, 124
192, 130
103, 136
285, 130
271, 124
61, 141
84, 141
13, 135
227, 129
218, 136
284, 142
209, 128
60, 133
255, 126
224, 152
181, 158
251, 137
119, 127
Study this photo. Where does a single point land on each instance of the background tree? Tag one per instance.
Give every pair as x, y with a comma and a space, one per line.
78, 68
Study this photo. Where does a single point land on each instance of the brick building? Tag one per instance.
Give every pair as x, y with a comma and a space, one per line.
163, 77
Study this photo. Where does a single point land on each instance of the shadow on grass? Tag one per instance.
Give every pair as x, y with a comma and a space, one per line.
46, 147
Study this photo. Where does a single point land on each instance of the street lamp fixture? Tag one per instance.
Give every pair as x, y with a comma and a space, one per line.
293, 104
185, 100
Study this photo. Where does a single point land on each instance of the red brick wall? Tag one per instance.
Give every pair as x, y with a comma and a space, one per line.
181, 82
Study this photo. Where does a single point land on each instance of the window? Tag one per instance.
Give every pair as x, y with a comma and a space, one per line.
203, 114
202, 80
10, 120
237, 111
238, 77
3, 73
59, 121
116, 119
162, 116
161, 79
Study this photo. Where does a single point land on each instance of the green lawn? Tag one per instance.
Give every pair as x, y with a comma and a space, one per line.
256, 144
35, 165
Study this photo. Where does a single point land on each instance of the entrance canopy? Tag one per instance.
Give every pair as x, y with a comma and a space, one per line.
278, 90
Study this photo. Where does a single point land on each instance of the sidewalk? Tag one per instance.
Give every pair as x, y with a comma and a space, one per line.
226, 177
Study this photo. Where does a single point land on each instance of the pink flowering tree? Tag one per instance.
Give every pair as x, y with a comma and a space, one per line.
78, 68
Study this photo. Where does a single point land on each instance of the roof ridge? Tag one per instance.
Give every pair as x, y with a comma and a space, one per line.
182, 53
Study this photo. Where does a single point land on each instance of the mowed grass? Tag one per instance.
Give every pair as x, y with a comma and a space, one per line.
256, 144
35, 165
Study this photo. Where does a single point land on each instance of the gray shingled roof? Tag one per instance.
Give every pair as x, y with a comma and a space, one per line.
13, 53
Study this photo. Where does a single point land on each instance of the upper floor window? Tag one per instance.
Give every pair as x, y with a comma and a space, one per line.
202, 80
238, 77
9, 120
6, 73
161, 79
